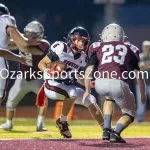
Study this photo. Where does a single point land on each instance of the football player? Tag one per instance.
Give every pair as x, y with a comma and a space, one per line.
73, 55
9, 30
114, 56
22, 86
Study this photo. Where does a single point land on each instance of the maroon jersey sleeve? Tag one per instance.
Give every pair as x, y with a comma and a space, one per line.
93, 60
44, 46
93, 47
135, 50
134, 63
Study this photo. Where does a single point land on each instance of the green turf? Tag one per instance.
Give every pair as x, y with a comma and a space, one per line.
25, 128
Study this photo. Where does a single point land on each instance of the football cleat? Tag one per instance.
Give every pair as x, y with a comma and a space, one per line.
116, 138
6, 126
63, 128
106, 134
41, 128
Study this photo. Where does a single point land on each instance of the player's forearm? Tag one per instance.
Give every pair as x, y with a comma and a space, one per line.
141, 82
29, 49
42, 66
17, 37
9, 55
34, 51
12, 45
87, 78
80, 81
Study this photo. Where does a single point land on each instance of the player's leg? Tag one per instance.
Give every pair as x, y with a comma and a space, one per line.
16, 93
36, 85
108, 110
92, 106
102, 88
58, 91
126, 101
4, 74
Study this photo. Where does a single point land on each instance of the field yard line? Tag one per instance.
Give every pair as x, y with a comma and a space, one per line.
55, 139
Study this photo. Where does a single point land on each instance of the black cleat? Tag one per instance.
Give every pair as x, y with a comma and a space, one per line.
63, 128
116, 138
106, 134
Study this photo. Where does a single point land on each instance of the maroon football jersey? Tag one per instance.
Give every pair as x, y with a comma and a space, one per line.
114, 58
28, 70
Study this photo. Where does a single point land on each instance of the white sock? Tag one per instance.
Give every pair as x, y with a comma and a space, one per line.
9, 122
102, 125
40, 120
63, 118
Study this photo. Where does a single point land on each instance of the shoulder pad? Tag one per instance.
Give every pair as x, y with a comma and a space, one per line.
45, 41
9, 20
58, 47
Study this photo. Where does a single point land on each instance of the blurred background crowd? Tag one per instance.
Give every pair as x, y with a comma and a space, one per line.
59, 16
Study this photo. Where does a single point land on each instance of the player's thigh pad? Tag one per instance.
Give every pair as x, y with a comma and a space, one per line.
88, 101
123, 97
58, 91
102, 87
16, 93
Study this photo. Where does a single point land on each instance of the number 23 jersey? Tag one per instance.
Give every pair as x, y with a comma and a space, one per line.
115, 58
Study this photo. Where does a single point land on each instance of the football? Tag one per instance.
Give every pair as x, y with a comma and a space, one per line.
60, 65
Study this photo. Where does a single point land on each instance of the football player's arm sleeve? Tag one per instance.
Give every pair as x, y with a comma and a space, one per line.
93, 60
17, 37
53, 56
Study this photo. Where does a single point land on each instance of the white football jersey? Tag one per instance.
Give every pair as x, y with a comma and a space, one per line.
65, 55
5, 21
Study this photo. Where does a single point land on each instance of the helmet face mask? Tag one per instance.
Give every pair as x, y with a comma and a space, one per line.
78, 39
34, 30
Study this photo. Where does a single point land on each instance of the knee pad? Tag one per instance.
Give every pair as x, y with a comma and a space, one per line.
2, 94
10, 106
109, 99
90, 100
126, 114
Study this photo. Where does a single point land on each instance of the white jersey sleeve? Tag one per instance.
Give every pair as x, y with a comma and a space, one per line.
5, 22
9, 21
58, 47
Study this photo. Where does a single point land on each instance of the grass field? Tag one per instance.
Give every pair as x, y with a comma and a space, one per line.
25, 128
86, 136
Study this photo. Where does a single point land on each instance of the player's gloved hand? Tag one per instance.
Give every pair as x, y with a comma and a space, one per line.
92, 84
143, 98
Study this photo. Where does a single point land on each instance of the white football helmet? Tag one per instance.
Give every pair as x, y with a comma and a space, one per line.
34, 30
113, 32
